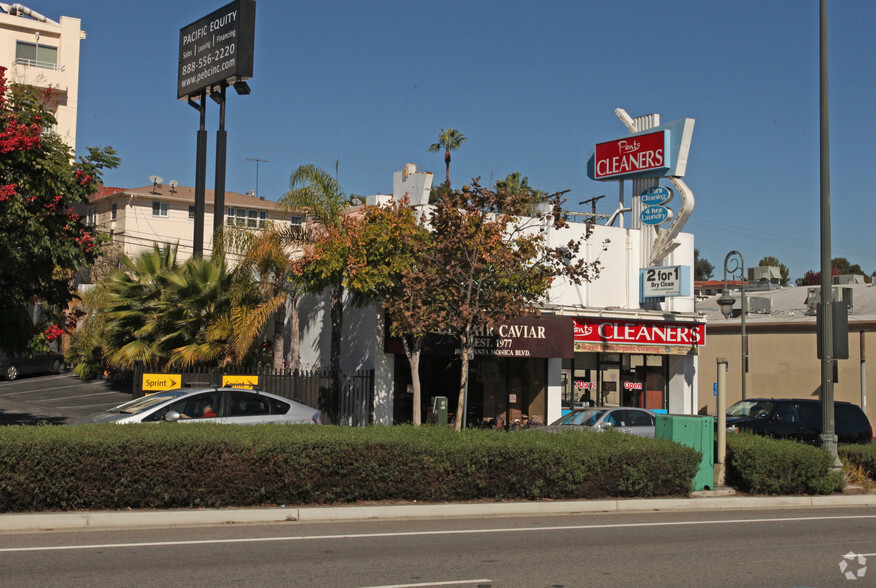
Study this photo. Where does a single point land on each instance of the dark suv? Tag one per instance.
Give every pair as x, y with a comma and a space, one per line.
799, 419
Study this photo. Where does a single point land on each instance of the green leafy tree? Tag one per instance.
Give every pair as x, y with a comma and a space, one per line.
42, 241
703, 270
388, 264
774, 262
449, 140
518, 185
492, 266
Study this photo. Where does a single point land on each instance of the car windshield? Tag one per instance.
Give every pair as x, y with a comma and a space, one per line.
751, 408
577, 417
138, 405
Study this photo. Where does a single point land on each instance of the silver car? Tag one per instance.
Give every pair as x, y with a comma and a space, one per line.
210, 405
625, 419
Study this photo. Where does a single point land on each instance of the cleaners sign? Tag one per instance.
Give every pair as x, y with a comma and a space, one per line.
633, 155
632, 336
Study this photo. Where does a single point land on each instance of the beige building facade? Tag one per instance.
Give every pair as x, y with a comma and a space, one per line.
137, 218
44, 53
782, 351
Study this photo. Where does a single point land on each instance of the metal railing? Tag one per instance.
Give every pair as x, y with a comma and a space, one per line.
354, 407
37, 63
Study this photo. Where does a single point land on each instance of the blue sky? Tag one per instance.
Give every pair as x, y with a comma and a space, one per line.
532, 85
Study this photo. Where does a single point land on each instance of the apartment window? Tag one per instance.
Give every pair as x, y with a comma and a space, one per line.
92, 216
36, 55
191, 212
159, 209
243, 217
114, 211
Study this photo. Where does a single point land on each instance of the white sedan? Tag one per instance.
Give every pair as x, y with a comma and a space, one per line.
210, 405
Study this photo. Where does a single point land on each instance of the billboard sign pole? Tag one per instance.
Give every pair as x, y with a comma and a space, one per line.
215, 52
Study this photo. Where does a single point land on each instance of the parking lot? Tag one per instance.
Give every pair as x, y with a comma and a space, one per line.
56, 399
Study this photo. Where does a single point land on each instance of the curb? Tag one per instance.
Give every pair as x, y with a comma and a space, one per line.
17, 523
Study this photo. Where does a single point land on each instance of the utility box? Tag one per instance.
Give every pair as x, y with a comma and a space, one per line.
439, 409
693, 431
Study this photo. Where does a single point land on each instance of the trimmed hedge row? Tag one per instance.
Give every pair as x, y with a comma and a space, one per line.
863, 456
98, 467
760, 465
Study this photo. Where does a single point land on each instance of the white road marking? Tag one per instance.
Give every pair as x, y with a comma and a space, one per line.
444, 583
426, 533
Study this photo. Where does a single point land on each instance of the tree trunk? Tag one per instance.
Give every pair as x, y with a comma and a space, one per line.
337, 323
412, 351
465, 350
294, 337
277, 343
447, 164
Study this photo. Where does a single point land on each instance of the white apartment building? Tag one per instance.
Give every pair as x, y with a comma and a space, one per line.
160, 213
44, 53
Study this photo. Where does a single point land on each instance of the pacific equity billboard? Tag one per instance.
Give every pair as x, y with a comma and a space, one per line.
217, 48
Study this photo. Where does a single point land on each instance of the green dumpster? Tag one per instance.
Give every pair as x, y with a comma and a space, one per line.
697, 432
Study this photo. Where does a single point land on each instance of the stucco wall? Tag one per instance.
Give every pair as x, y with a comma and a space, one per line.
784, 364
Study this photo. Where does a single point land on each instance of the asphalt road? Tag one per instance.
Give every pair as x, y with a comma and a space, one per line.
56, 399
758, 547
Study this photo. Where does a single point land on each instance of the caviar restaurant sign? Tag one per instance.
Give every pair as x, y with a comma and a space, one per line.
629, 336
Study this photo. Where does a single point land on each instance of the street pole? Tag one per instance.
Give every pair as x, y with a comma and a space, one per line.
726, 304
720, 458
828, 431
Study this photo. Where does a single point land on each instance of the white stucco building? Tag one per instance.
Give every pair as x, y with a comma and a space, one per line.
44, 53
603, 342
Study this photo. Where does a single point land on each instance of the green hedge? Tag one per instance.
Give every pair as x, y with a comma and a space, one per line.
863, 456
169, 465
760, 465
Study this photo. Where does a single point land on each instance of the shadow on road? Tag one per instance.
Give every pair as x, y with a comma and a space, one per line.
23, 418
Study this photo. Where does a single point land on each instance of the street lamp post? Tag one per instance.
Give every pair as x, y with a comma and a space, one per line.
734, 265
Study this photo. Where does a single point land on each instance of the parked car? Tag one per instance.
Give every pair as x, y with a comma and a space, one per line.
36, 363
798, 419
626, 419
213, 405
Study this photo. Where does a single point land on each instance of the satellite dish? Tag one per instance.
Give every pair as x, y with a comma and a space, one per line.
156, 181
173, 184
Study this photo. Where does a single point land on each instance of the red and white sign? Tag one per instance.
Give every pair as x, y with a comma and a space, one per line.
617, 331
631, 155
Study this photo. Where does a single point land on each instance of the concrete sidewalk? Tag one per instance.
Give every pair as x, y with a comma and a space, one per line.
16, 523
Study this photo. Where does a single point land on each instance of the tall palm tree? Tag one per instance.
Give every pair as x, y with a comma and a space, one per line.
312, 189
264, 268
449, 140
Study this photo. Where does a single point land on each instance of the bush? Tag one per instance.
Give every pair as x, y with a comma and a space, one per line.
169, 465
760, 465
863, 456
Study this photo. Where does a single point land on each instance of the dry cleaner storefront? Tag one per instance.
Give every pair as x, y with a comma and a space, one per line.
531, 370
631, 362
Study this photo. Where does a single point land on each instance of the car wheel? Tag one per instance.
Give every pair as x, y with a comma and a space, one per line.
56, 367
11, 372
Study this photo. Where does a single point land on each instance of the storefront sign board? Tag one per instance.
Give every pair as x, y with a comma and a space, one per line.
633, 336
658, 282
530, 337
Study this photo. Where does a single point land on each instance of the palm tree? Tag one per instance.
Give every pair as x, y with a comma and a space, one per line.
315, 191
263, 275
449, 139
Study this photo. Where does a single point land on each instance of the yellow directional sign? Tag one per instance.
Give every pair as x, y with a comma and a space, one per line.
161, 382
247, 382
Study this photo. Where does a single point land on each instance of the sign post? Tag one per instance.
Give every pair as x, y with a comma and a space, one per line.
214, 52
